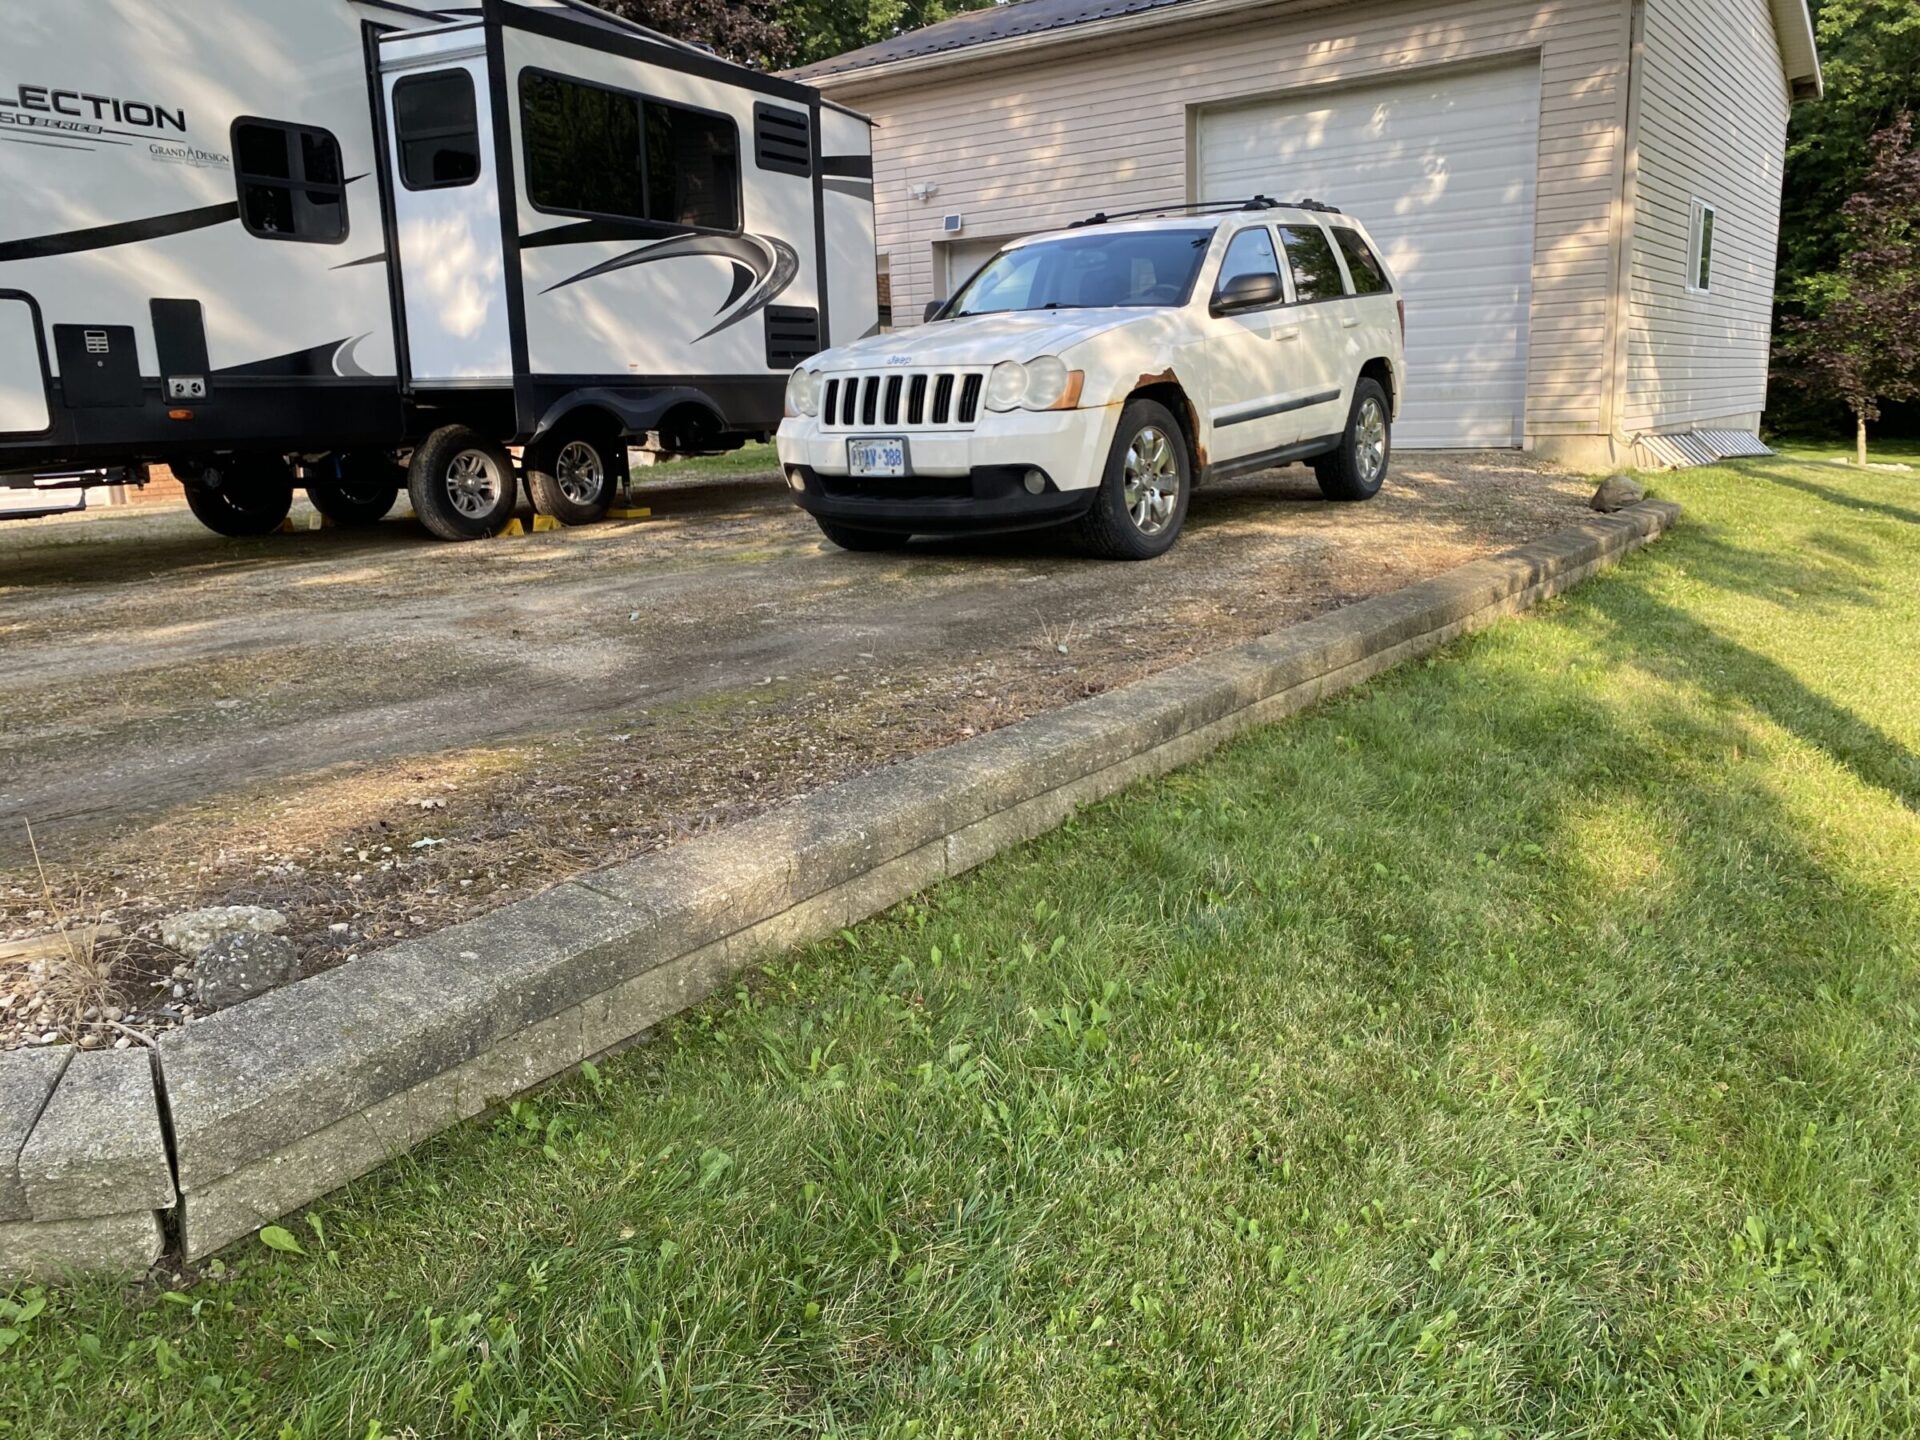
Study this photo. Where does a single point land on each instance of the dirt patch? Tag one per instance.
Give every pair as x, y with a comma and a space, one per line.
378, 735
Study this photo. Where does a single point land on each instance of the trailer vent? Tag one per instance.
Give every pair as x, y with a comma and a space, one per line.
793, 335
782, 139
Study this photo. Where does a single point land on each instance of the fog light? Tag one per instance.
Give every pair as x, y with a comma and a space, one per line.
1036, 482
795, 479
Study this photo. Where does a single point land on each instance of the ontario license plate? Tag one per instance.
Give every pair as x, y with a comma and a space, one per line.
883, 456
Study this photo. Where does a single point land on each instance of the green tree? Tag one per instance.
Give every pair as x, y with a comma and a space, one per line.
747, 30
821, 29
1859, 340
773, 34
1870, 52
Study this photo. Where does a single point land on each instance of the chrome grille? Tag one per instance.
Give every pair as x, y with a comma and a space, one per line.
903, 400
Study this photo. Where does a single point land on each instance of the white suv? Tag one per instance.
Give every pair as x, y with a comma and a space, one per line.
1091, 376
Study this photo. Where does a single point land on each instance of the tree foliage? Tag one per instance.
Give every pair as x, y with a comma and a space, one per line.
746, 30
1870, 53
774, 34
1859, 340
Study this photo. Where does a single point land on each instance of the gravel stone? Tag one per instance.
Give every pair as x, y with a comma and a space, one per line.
193, 931
1616, 492
241, 964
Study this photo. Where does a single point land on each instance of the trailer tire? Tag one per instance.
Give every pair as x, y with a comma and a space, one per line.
572, 476
354, 490
242, 498
462, 484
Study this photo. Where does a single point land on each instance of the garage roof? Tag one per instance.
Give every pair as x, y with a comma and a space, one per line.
1020, 23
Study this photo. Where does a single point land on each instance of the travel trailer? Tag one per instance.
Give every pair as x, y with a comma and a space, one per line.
283, 244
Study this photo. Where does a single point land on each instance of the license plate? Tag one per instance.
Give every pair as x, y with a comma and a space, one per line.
884, 456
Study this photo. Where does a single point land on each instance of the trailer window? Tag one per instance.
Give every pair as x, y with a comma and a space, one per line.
595, 151
436, 123
693, 168
290, 181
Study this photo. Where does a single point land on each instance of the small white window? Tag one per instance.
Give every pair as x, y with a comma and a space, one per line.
1700, 249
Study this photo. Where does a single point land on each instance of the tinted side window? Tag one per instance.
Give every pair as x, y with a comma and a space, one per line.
693, 168
437, 129
605, 152
583, 147
290, 182
1316, 274
1369, 275
1249, 253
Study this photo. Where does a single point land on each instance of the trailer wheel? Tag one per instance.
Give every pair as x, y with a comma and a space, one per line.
356, 489
243, 497
572, 475
462, 484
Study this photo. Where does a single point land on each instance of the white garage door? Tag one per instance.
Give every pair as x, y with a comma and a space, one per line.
1441, 169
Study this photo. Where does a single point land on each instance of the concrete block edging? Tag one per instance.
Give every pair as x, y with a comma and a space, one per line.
109, 1158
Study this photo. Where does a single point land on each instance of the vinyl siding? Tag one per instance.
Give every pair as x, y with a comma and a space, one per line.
1712, 123
1023, 144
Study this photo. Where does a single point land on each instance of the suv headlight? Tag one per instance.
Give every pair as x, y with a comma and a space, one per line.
1041, 384
1047, 381
1007, 385
803, 391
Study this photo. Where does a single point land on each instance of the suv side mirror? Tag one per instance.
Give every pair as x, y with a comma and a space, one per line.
1248, 292
932, 312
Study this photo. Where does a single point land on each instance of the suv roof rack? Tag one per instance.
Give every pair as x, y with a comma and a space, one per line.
1209, 207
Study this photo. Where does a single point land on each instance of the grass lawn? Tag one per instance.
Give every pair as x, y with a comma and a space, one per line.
1892, 452
747, 460
1526, 1045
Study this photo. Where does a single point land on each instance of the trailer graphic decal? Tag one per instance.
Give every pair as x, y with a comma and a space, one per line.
333, 360
763, 268
128, 232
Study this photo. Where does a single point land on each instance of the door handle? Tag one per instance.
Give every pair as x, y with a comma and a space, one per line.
1293, 334
1352, 322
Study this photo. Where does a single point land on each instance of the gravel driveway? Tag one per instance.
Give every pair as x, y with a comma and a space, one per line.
380, 734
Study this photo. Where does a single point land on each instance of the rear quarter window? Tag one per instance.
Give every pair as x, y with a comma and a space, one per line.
1369, 275
1316, 274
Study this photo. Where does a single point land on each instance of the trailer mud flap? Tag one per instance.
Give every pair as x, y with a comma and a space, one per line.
23, 370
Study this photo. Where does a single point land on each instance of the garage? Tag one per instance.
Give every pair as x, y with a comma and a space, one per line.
1532, 167
1442, 170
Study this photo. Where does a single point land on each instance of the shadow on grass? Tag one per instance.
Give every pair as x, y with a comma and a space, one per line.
1673, 645
1841, 499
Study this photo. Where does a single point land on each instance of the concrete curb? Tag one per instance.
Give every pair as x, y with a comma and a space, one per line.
268, 1106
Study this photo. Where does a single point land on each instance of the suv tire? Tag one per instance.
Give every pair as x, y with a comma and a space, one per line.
243, 497
847, 537
1358, 468
572, 476
462, 484
1142, 500
356, 489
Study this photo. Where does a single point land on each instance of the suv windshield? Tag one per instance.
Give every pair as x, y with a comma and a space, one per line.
1080, 272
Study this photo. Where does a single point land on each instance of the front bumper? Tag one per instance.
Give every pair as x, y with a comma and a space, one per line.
958, 481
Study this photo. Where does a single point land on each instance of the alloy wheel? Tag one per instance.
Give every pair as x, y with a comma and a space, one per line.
579, 472
474, 483
1151, 480
1370, 437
